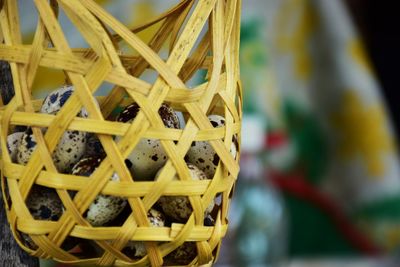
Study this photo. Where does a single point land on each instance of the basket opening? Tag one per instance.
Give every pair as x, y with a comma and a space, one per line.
148, 155
70, 244
104, 89
15, 132
135, 250
217, 106
183, 255
197, 78
104, 208
73, 36
47, 79
178, 208
149, 75
143, 13
122, 217
149, 24
202, 153
88, 248
197, 59
146, 36
44, 203
28, 20
69, 150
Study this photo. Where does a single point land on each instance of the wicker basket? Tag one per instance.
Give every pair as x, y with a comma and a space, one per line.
198, 35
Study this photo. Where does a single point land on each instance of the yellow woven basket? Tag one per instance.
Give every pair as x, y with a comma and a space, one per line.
198, 36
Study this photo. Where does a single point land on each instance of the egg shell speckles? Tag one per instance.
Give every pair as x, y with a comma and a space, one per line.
13, 142
178, 207
71, 145
148, 156
56, 99
104, 208
26, 147
67, 152
183, 255
93, 146
43, 204
137, 249
202, 154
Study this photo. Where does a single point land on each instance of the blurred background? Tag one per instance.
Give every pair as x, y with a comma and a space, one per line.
319, 83
320, 179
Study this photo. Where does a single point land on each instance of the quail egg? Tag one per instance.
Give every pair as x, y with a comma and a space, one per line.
137, 249
43, 204
13, 141
104, 208
93, 146
72, 143
183, 255
68, 151
56, 99
202, 154
148, 155
178, 207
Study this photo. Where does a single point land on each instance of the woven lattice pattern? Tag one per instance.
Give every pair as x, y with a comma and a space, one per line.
199, 36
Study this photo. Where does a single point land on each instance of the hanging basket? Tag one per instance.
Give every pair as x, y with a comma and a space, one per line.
193, 38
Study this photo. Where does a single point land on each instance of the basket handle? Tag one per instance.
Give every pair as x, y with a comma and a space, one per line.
10, 249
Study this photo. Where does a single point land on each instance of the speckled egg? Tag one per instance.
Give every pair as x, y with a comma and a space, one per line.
137, 249
202, 154
43, 204
104, 208
56, 99
93, 146
72, 143
183, 255
148, 155
179, 208
13, 142
67, 152
26, 147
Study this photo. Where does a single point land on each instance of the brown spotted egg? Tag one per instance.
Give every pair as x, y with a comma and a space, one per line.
56, 99
183, 255
148, 156
104, 208
43, 204
137, 249
72, 143
13, 142
93, 146
202, 154
68, 151
26, 147
178, 207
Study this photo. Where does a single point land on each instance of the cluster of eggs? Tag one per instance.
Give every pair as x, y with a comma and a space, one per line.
80, 153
